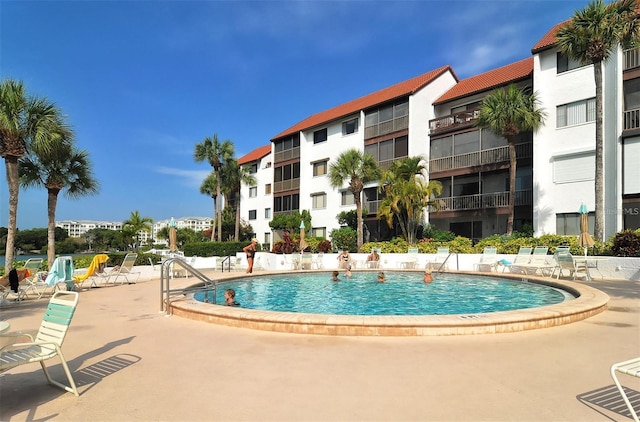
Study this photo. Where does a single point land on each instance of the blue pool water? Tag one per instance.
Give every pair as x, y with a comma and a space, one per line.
404, 293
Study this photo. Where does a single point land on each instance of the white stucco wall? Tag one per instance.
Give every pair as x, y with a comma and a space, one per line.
263, 176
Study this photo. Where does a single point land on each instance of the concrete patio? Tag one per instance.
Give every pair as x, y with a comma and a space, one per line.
132, 363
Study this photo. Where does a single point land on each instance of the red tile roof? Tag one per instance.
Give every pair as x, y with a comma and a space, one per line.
395, 91
255, 155
549, 39
485, 81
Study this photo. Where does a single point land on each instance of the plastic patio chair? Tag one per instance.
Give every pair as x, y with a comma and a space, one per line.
488, 259
125, 270
48, 341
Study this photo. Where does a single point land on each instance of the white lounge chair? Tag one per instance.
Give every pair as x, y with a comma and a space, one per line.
537, 262
31, 283
412, 259
629, 367
566, 262
523, 257
125, 270
488, 259
48, 341
439, 260
95, 271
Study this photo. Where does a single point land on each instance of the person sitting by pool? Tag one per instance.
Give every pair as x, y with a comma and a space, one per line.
381, 278
230, 298
344, 259
334, 276
428, 278
373, 260
347, 271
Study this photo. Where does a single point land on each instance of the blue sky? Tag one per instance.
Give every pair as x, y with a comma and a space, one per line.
143, 81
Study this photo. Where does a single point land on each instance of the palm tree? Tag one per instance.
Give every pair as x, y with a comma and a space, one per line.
507, 112
217, 154
136, 223
209, 187
357, 168
590, 37
61, 168
407, 195
26, 124
235, 176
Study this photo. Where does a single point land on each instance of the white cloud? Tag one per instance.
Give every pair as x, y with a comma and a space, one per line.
189, 178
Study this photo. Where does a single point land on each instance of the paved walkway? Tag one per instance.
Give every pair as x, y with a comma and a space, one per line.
134, 364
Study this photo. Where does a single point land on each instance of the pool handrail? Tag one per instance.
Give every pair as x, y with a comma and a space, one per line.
165, 281
439, 270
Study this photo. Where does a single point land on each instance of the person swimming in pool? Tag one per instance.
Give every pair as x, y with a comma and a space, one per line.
428, 278
347, 271
381, 278
334, 276
230, 298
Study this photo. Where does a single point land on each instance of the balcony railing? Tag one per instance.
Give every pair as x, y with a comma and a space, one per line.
286, 155
453, 121
286, 185
484, 200
379, 129
631, 119
478, 158
371, 206
631, 58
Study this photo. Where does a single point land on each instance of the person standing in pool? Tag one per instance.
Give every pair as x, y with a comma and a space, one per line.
230, 298
250, 250
334, 276
347, 271
428, 278
381, 278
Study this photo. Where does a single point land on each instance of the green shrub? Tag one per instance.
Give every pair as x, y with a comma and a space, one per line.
344, 238
626, 243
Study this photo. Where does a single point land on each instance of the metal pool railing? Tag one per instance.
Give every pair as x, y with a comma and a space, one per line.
439, 270
166, 292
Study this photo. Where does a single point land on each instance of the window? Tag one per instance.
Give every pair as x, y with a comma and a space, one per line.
574, 168
267, 238
253, 214
319, 232
320, 136
350, 126
287, 172
267, 213
286, 203
320, 168
347, 198
253, 191
569, 223
386, 151
576, 113
319, 201
267, 189
252, 168
565, 63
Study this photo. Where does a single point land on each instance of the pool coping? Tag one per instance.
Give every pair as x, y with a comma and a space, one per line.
588, 302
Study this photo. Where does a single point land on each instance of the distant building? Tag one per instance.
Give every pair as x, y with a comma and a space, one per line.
76, 228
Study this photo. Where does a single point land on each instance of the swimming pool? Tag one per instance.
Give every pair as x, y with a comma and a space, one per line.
587, 302
403, 293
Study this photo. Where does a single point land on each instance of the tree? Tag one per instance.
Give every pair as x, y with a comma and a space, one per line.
26, 124
217, 154
61, 168
407, 195
234, 176
135, 224
590, 37
357, 168
507, 112
209, 187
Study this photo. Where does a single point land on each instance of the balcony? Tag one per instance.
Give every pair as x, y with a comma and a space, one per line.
631, 119
459, 120
286, 185
631, 58
287, 154
478, 158
484, 201
371, 206
390, 126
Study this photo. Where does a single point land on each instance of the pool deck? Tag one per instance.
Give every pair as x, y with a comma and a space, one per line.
133, 363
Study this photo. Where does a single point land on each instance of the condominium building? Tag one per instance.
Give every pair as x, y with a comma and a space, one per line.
257, 200
434, 116
76, 228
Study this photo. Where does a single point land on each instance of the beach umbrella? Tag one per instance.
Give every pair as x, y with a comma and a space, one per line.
303, 243
173, 243
585, 240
